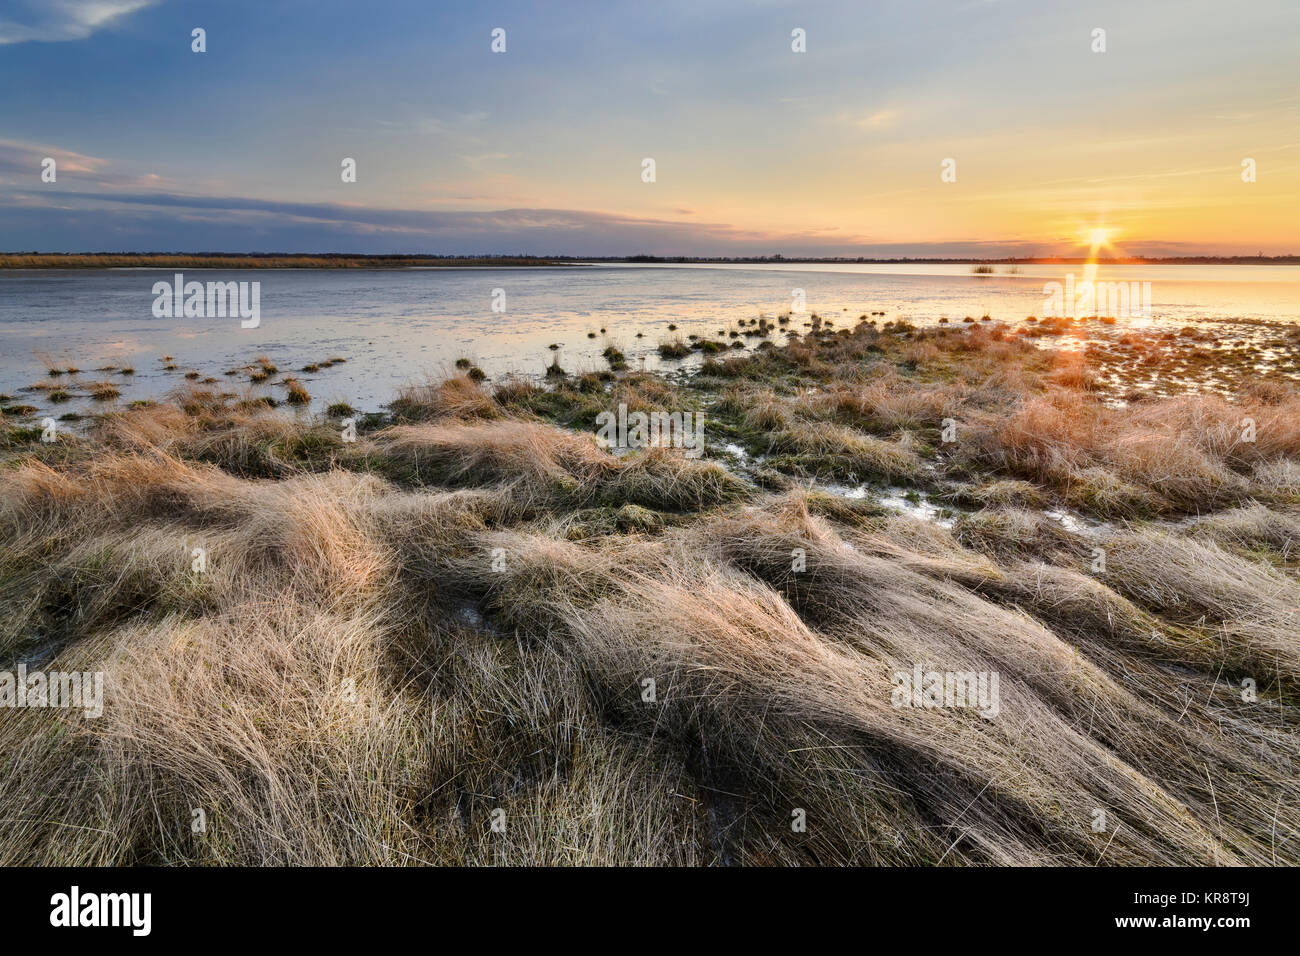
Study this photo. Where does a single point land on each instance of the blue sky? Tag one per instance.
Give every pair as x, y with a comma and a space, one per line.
758, 149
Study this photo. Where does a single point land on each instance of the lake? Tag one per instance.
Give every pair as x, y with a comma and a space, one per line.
402, 326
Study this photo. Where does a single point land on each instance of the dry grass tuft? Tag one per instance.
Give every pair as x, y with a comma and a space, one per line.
459, 397
823, 448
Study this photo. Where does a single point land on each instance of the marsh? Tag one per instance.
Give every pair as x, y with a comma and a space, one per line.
399, 641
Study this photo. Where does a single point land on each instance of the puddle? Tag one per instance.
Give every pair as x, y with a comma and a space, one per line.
845, 491
1068, 521
915, 504
1077, 524
894, 498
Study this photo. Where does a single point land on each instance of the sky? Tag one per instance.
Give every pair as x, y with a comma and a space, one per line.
757, 149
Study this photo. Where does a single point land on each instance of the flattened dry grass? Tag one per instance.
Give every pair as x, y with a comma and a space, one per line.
834, 451
456, 397
1176, 454
456, 621
544, 464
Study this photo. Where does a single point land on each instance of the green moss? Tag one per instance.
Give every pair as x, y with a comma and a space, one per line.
22, 436
617, 360
253, 404
634, 518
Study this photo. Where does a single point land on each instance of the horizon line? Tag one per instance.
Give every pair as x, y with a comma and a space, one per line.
667, 259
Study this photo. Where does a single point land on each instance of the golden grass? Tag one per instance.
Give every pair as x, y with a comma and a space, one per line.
297, 392
835, 451
453, 621
456, 397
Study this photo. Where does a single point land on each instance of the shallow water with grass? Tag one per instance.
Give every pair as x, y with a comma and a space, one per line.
395, 327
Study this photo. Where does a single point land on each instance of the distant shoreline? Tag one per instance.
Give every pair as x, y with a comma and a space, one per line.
349, 261
272, 261
959, 260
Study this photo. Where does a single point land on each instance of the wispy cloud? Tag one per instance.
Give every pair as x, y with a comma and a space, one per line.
24, 160
767, 147
49, 21
147, 220
539, 230
879, 120
871, 120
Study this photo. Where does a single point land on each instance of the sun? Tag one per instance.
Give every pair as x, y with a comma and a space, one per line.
1099, 237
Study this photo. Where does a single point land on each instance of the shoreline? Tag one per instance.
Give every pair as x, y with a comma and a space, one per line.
54, 261
35, 261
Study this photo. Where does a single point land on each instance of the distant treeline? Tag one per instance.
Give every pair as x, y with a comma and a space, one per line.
963, 260
203, 260
226, 260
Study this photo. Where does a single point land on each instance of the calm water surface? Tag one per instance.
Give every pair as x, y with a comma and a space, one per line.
398, 327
